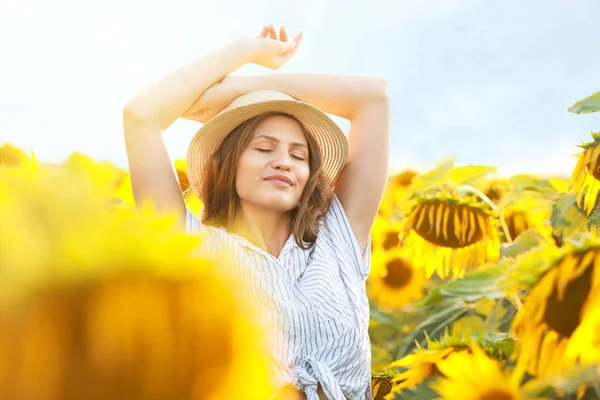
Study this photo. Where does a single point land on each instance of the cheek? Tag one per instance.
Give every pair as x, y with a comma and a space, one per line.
303, 173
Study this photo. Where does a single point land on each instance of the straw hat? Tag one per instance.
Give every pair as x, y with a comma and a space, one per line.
332, 141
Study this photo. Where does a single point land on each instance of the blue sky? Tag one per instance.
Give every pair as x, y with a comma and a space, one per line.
487, 82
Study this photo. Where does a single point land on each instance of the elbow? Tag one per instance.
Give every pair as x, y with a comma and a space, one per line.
135, 113
379, 89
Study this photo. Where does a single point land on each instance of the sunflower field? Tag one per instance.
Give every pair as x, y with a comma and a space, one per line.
481, 288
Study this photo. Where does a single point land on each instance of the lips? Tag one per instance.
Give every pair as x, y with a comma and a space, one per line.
280, 178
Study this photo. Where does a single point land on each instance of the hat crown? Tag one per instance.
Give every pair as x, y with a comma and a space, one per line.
258, 97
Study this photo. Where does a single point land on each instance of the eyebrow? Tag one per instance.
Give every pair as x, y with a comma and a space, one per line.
274, 139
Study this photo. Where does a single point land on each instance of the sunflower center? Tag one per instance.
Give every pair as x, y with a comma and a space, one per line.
517, 222
399, 273
391, 240
449, 225
497, 395
563, 315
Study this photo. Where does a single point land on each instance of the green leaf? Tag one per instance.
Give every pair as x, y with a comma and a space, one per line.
567, 219
566, 383
434, 178
421, 392
522, 182
588, 105
469, 288
468, 172
434, 326
594, 221
382, 317
526, 240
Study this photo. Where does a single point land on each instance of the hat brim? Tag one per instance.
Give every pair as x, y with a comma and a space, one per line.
332, 142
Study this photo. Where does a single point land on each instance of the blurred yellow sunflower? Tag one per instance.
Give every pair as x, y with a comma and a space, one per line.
397, 185
585, 179
394, 281
527, 214
420, 365
561, 313
385, 235
97, 304
191, 200
474, 376
496, 190
450, 235
11, 156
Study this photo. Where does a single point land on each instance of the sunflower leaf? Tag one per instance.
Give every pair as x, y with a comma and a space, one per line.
594, 221
588, 105
567, 218
566, 383
434, 326
468, 172
525, 241
421, 392
522, 182
471, 287
438, 176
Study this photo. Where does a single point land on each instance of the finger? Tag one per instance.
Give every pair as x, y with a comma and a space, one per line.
283, 34
298, 39
272, 33
263, 34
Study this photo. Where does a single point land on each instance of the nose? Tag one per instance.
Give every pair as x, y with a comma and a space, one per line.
282, 162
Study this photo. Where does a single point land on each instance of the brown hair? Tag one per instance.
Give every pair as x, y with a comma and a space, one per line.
220, 198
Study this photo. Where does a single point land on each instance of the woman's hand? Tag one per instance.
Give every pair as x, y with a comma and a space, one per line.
216, 98
269, 50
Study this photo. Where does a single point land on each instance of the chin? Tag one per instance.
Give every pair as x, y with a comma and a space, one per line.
276, 202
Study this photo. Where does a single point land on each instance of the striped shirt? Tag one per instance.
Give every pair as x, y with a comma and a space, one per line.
315, 307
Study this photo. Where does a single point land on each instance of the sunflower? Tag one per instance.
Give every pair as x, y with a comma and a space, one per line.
381, 386
419, 366
395, 188
394, 281
496, 190
11, 156
585, 179
559, 313
527, 214
423, 363
385, 235
191, 200
99, 304
474, 376
451, 235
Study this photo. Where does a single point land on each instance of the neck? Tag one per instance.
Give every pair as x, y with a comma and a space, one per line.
266, 228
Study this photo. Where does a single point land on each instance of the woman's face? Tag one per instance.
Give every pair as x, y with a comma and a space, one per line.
273, 170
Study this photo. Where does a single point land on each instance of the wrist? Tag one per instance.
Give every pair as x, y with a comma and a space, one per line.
242, 49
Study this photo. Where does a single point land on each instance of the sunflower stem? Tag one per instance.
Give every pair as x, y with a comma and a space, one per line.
462, 189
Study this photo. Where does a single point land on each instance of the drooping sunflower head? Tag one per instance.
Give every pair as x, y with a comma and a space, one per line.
585, 179
554, 311
496, 190
451, 235
528, 213
394, 281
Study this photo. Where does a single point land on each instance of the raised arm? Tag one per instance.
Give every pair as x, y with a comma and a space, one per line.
156, 107
361, 100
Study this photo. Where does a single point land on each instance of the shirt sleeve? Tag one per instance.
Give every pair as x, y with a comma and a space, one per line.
192, 223
339, 227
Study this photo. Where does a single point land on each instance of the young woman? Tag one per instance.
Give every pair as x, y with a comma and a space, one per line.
284, 193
